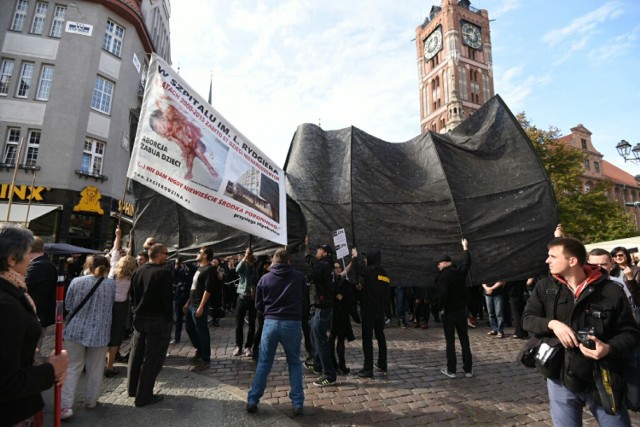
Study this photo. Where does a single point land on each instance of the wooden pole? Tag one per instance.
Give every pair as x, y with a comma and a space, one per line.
124, 194
13, 179
26, 219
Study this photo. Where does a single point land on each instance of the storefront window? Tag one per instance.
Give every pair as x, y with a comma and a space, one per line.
82, 230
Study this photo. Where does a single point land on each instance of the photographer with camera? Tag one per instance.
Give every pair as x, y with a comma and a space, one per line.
575, 304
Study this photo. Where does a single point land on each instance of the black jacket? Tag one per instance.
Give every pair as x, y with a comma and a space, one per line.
375, 288
151, 293
20, 381
451, 283
601, 304
42, 279
321, 283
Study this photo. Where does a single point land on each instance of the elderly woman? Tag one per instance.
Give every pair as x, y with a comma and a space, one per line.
88, 332
20, 380
124, 270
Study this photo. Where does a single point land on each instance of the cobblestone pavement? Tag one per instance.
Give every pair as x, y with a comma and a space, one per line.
412, 393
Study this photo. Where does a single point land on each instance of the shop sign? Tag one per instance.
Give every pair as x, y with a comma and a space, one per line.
123, 207
89, 201
23, 192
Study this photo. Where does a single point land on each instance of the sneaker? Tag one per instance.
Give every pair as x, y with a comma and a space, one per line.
173, 342
447, 373
91, 405
66, 413
492, 333
387, 321
309, 366
365, 373
500, 335
252, 408
325, 382
469, 374
248, 352
297, 412
237, 351
471, 322
381, 369
200, 366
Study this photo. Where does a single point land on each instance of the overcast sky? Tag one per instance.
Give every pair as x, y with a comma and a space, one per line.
278, 64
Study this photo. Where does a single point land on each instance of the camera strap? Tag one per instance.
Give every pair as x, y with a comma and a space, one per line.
552, 295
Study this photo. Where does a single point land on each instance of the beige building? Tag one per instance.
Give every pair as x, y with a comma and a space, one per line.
626, 189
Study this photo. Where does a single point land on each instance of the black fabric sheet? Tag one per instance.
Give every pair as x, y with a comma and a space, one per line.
414, 200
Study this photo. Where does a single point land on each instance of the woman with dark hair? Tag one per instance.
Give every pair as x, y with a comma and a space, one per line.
21, 381
88, 331
625, 270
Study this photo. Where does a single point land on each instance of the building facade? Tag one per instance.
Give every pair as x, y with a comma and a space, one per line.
72, 75
454, 64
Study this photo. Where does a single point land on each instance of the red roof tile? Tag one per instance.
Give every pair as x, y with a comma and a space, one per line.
617, 175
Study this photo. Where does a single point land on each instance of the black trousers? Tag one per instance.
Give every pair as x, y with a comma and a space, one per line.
148, 350
452, 322
373, 324
245, 306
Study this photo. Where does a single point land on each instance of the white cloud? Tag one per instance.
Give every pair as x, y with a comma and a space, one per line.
583, 27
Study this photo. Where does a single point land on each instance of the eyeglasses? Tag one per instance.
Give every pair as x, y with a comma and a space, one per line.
619, 256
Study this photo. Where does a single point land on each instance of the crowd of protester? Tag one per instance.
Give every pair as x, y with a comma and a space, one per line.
153, 298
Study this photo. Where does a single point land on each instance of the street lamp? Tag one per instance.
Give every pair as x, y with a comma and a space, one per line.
624, 149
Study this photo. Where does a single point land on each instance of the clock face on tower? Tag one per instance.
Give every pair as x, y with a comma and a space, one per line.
471, 35
433, 44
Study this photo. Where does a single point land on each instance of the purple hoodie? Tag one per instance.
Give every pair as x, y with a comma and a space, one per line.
280, 293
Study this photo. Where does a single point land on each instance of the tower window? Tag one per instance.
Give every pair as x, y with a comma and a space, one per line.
587, 165
584, 143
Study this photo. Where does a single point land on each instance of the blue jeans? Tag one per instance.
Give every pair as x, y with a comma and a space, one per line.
566, 408
198, 332
494, 307
320, 324
289, 334
401, 303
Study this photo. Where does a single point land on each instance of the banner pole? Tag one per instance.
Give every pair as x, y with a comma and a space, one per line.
13, 179
124, 194
57, 400
26, 219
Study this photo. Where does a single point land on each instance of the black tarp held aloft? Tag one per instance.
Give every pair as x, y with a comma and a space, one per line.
416, 200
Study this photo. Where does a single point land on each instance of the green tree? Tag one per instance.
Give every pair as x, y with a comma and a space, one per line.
588, 216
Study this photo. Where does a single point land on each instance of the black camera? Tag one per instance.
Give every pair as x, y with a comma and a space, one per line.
583, 336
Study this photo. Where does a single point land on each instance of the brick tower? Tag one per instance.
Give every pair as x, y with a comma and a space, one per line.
454, 64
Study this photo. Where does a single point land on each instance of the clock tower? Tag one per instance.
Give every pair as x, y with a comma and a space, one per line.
454, 64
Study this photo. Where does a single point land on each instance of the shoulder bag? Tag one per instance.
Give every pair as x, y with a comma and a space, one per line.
84, 301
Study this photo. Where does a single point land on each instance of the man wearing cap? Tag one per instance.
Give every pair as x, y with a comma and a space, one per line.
321, 299
451, 285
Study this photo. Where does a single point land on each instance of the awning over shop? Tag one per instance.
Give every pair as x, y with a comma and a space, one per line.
19, 212
629, 243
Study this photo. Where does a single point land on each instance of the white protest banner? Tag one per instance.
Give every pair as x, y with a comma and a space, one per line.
186, 151
340, 243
